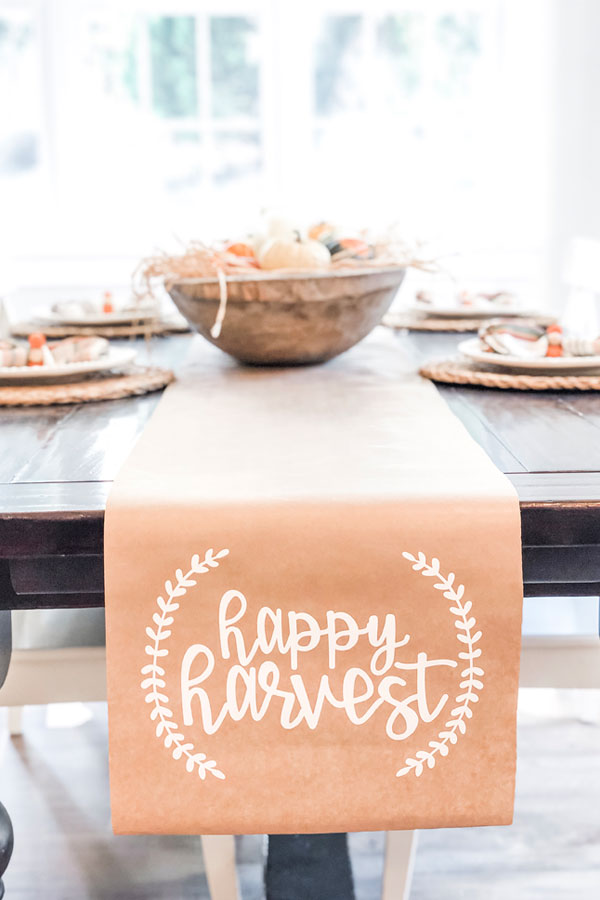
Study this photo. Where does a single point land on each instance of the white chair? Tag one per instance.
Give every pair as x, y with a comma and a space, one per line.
546, 662
39, 675
59, 657
400, 852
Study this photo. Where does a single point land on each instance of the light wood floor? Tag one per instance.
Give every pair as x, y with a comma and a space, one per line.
54, 782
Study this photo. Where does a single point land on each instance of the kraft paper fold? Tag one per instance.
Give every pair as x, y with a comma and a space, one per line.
313, 597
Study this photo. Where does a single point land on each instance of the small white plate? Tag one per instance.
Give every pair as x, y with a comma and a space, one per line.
545, 364
471, 312
116, 358
99, 318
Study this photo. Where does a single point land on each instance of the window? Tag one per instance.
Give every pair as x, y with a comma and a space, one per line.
127, 126
21, 125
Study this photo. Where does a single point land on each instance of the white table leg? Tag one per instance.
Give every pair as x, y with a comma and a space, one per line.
400, 849
219, 861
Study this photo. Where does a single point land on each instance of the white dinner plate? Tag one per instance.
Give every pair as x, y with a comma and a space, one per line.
463, 312
116, 358
545, 364
98, 318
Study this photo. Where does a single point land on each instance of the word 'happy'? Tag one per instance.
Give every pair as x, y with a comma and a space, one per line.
253, 689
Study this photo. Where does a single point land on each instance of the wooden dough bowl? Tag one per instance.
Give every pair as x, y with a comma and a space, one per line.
289, 318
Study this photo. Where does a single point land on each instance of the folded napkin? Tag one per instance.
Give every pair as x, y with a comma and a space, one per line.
13, 354
79, 349
69, 350
313, 598
534, 341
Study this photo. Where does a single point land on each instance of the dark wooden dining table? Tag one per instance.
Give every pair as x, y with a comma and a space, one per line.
57, 465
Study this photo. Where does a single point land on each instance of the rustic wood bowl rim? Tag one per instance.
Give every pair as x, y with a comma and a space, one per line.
289, 275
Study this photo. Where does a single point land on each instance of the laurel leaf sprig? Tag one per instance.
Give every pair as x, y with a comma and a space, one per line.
470, 676
154, 683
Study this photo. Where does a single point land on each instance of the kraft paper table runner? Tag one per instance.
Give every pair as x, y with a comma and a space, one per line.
313, 596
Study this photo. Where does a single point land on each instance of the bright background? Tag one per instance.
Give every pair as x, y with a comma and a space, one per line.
127, 126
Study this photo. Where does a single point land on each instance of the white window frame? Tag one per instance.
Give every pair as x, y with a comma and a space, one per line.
287, 119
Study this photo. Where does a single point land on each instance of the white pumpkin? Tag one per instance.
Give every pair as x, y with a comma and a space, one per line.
273, 227
281, 253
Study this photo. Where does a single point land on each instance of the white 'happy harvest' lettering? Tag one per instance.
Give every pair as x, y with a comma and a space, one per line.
304, 634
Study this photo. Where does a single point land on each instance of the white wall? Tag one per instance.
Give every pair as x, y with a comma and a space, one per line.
575, 139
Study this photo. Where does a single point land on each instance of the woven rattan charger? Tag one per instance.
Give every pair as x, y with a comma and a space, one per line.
461, 371
113, 386
415, 321
149, 328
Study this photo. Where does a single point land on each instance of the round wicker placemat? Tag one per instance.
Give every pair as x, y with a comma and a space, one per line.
151, 328
458, 371
137, 380
413, 321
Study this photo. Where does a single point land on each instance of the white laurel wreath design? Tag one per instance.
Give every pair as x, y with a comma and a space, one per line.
170, 729
155, 680
470, 682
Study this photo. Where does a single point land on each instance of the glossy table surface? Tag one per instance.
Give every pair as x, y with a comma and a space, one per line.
57, 465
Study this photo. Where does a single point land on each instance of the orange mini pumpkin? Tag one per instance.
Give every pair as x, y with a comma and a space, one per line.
239, 248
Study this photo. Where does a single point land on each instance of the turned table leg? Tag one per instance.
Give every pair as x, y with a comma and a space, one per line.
300, 866
6, 844
6, 830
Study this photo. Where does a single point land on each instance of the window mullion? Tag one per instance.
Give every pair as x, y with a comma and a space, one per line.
203, 80
61, 24
268, 124
144, 67
293, 99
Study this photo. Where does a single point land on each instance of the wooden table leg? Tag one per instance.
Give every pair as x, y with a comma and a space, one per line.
300, 866
6, 844
6, 829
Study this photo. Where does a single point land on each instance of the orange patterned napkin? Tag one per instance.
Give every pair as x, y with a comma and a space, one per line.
313, 592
